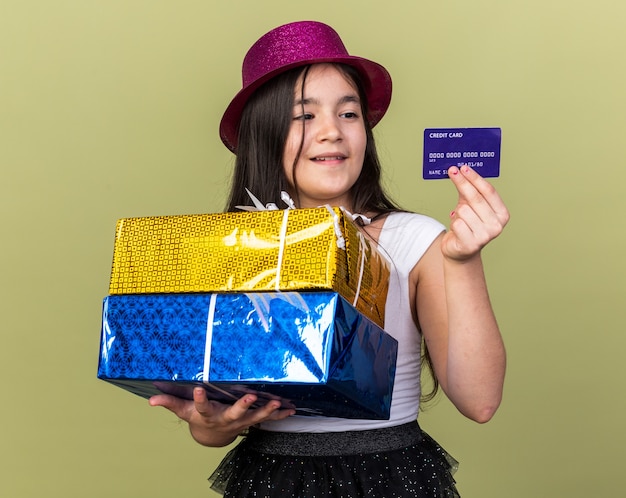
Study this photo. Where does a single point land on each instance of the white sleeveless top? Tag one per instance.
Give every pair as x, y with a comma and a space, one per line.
404, 238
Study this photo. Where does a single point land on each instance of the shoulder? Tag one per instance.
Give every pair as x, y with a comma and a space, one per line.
412, 222
405, 237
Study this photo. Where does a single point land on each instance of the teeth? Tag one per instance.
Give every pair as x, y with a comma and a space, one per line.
328, 158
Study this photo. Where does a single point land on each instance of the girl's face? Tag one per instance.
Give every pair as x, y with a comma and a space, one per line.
333, 142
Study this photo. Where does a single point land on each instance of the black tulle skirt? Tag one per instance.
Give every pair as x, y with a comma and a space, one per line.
399, 461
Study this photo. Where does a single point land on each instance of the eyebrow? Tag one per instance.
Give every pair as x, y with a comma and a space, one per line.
343, 100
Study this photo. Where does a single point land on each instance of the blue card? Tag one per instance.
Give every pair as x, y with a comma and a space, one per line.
479, 148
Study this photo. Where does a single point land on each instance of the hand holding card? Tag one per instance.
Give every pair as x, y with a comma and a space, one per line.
478, 148
479, 216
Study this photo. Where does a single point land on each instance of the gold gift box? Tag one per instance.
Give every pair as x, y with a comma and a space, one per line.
280, 250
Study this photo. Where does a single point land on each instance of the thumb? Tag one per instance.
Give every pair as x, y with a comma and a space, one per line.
180, 407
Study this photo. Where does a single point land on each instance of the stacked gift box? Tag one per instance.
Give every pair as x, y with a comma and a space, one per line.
287, 304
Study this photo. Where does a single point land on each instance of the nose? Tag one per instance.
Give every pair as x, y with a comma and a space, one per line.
329, 129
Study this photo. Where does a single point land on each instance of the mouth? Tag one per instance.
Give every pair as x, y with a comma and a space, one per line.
328, 158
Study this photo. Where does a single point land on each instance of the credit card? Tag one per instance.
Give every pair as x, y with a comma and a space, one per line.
479, 148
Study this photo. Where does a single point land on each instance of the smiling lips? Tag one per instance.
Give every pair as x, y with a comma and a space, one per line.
328, 158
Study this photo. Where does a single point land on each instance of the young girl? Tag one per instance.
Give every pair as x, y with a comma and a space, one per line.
303, 124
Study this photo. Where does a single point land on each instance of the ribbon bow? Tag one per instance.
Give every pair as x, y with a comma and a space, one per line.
270, 206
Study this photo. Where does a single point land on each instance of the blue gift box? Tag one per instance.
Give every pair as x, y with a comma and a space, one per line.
312, 350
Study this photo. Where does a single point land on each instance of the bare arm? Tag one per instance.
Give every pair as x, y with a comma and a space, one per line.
453, 304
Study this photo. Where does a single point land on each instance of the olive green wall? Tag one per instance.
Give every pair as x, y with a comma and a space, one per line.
110, 109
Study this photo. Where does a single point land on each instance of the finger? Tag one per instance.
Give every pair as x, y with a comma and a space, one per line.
180, 407
463, 234
201, 402
240, 408
490, 210
489, 193
282, 414
478, 192
465, 215
270, 411
266, 412
470, 236
483, 226
468, 190
272, 414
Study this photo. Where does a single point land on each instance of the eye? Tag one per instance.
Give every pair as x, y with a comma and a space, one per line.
349, 115
303, 117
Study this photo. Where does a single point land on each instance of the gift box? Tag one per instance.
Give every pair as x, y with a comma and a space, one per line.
281, 250
312, 350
